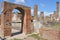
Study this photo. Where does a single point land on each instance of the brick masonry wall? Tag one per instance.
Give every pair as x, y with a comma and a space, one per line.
50, 33
7, 18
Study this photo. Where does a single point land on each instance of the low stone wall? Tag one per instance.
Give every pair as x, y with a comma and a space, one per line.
50, 33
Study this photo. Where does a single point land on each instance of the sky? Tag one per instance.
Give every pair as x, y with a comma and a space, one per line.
47, 6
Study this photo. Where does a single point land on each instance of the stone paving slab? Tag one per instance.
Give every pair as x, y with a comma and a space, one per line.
30, 38
19, 36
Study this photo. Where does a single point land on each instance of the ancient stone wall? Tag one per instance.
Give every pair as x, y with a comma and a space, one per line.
50, 33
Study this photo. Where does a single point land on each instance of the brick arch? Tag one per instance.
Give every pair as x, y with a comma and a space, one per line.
7, 16
22, 20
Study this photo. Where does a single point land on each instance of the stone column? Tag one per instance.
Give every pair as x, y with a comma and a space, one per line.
35, 12
42, 17
57, 9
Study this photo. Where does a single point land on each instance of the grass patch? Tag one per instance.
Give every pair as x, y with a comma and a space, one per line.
35, 36
55, 25
16, 39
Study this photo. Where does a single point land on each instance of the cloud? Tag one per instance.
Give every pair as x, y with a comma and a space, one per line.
19, 1
5, 0
38, 13
42, 5
32, 12
47, 13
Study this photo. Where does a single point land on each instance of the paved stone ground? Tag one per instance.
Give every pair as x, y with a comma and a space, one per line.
29, 38
1, 32
21, 36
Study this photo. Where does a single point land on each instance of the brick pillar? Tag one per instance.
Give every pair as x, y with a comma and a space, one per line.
6, 23
35, 12
27, 21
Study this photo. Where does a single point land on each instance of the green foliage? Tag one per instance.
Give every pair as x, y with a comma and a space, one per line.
35, 36
17, 39
55, 25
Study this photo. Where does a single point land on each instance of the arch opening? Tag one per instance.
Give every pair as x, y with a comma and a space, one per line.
17, 21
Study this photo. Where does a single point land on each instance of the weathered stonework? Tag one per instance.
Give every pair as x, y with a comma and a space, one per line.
0, 19
53, 16
57, 9
50, 33
42, 17
7, 18
47, 18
